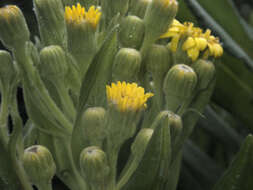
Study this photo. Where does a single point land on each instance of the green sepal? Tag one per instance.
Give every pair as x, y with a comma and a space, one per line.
50, 17
239, 174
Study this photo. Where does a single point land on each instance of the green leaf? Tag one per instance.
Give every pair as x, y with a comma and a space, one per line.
239, 174
102, 58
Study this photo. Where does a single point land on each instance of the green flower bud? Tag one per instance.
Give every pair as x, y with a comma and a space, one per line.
179, 85
131, 32
53, 62
50, 17
141, 141
7, 71
157, 60
13, 28
111, 8
205, 71
158, 17
94, 165
139, 7
93, 125
126, 65
39, 164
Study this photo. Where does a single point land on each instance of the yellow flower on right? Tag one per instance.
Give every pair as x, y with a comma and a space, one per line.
194, 40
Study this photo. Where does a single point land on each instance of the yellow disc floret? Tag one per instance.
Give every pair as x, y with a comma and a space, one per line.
194, 40
127, 96
78, 14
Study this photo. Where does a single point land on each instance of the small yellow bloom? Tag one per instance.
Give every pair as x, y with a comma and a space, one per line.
127, 96
194, 40
166, 3
78, 14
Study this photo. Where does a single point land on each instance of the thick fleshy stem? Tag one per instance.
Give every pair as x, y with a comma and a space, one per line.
12, 145
112, 153
4, 115
45, 186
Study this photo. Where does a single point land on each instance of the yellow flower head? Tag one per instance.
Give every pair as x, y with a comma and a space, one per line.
127, 96
194, 40
78, 14
166, 3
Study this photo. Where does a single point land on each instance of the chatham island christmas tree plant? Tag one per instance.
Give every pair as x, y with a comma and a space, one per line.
103, 80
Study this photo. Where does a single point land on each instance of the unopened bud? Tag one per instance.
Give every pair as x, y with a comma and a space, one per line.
7, 71
158, 17
139, 7
39, 164
93, 125
157, 60
131, 32
94, 165
50, 17
179, 85
53, 62
126, 65
205, 71
13, 28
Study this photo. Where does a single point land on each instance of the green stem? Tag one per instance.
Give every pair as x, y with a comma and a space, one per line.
112, 153
129, 172
44, 186
66, 102
72, 177
4, 116
17, 131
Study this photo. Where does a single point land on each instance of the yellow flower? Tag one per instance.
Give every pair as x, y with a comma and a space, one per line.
194, 40
78, 14
166, 3
127, 96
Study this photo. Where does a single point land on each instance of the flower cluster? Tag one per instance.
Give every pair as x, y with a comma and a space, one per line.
194, 40
127, 96
78, 14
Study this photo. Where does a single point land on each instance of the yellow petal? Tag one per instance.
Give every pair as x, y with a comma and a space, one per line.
174, 43
189, 43
201, 43
218, 50
193, 53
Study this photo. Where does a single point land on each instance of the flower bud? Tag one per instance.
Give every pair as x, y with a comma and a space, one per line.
7, 71
13, 28
93, 125
141, 141
111, 8
158, 17
139, 7
157, 60
126, 65
39, 164
179, 85
205, 71
53, 62
50, 17
131, 32
94, 165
